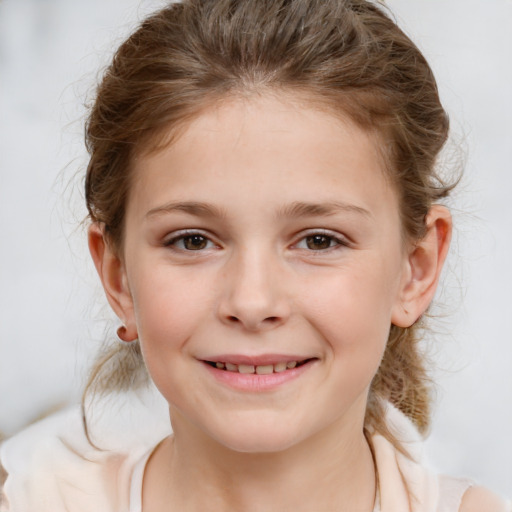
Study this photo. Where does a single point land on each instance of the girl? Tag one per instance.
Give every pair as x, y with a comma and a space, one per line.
264, 221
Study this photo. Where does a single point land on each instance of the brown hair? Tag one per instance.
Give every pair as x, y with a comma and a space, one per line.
348, 55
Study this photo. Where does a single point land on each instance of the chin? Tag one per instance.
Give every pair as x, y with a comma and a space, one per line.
257, 437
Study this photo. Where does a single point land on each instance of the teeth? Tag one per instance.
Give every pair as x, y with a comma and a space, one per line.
259, 370
265, 370
280, 367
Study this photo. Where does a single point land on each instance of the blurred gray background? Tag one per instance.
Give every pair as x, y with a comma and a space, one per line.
52, 314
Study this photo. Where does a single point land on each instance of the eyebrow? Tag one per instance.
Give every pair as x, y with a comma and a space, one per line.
191, 207
295, 209
303, 209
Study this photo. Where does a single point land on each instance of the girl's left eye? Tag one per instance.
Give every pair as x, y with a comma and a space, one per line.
192, 242
319, 242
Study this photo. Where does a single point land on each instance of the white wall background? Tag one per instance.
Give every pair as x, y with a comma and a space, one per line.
50, 305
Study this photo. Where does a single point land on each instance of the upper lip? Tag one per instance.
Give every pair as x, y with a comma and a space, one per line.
260, 360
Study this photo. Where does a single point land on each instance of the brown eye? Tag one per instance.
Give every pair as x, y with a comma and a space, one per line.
195, 242
188, 242
318, 242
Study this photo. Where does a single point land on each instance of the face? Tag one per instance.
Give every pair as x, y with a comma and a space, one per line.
263, 266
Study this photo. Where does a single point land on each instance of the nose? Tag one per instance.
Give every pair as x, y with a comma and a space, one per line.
253, 293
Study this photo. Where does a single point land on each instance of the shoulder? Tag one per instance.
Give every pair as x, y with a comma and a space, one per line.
52, 466
41, 457
47, 438
480, 499
31, 456
441, 492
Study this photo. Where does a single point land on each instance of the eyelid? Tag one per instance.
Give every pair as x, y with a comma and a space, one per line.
171, 239
341, 239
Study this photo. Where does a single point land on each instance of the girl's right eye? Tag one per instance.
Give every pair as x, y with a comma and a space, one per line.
190, 242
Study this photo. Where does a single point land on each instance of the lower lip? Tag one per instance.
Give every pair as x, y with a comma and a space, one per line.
257, 383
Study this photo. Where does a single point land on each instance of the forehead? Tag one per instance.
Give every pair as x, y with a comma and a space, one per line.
267, 143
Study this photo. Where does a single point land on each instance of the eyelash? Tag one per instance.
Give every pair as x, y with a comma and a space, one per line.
182, 236
334, 241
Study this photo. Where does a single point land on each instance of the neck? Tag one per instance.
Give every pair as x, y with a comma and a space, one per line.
333, 470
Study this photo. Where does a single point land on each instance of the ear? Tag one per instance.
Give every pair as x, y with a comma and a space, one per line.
113, 277
423, 268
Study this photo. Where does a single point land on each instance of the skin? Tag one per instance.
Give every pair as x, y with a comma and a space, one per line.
269, 274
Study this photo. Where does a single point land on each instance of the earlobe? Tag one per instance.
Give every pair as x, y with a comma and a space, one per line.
112, 274
424, 265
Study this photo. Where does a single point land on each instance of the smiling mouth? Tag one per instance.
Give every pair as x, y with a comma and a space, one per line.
266, 369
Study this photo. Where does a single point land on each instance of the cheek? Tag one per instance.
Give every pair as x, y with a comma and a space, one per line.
168, 307
167, 311
351, 309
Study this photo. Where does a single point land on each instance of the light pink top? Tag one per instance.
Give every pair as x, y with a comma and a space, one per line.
52, 468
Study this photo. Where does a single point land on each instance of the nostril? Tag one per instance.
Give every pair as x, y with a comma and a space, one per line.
254, 324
